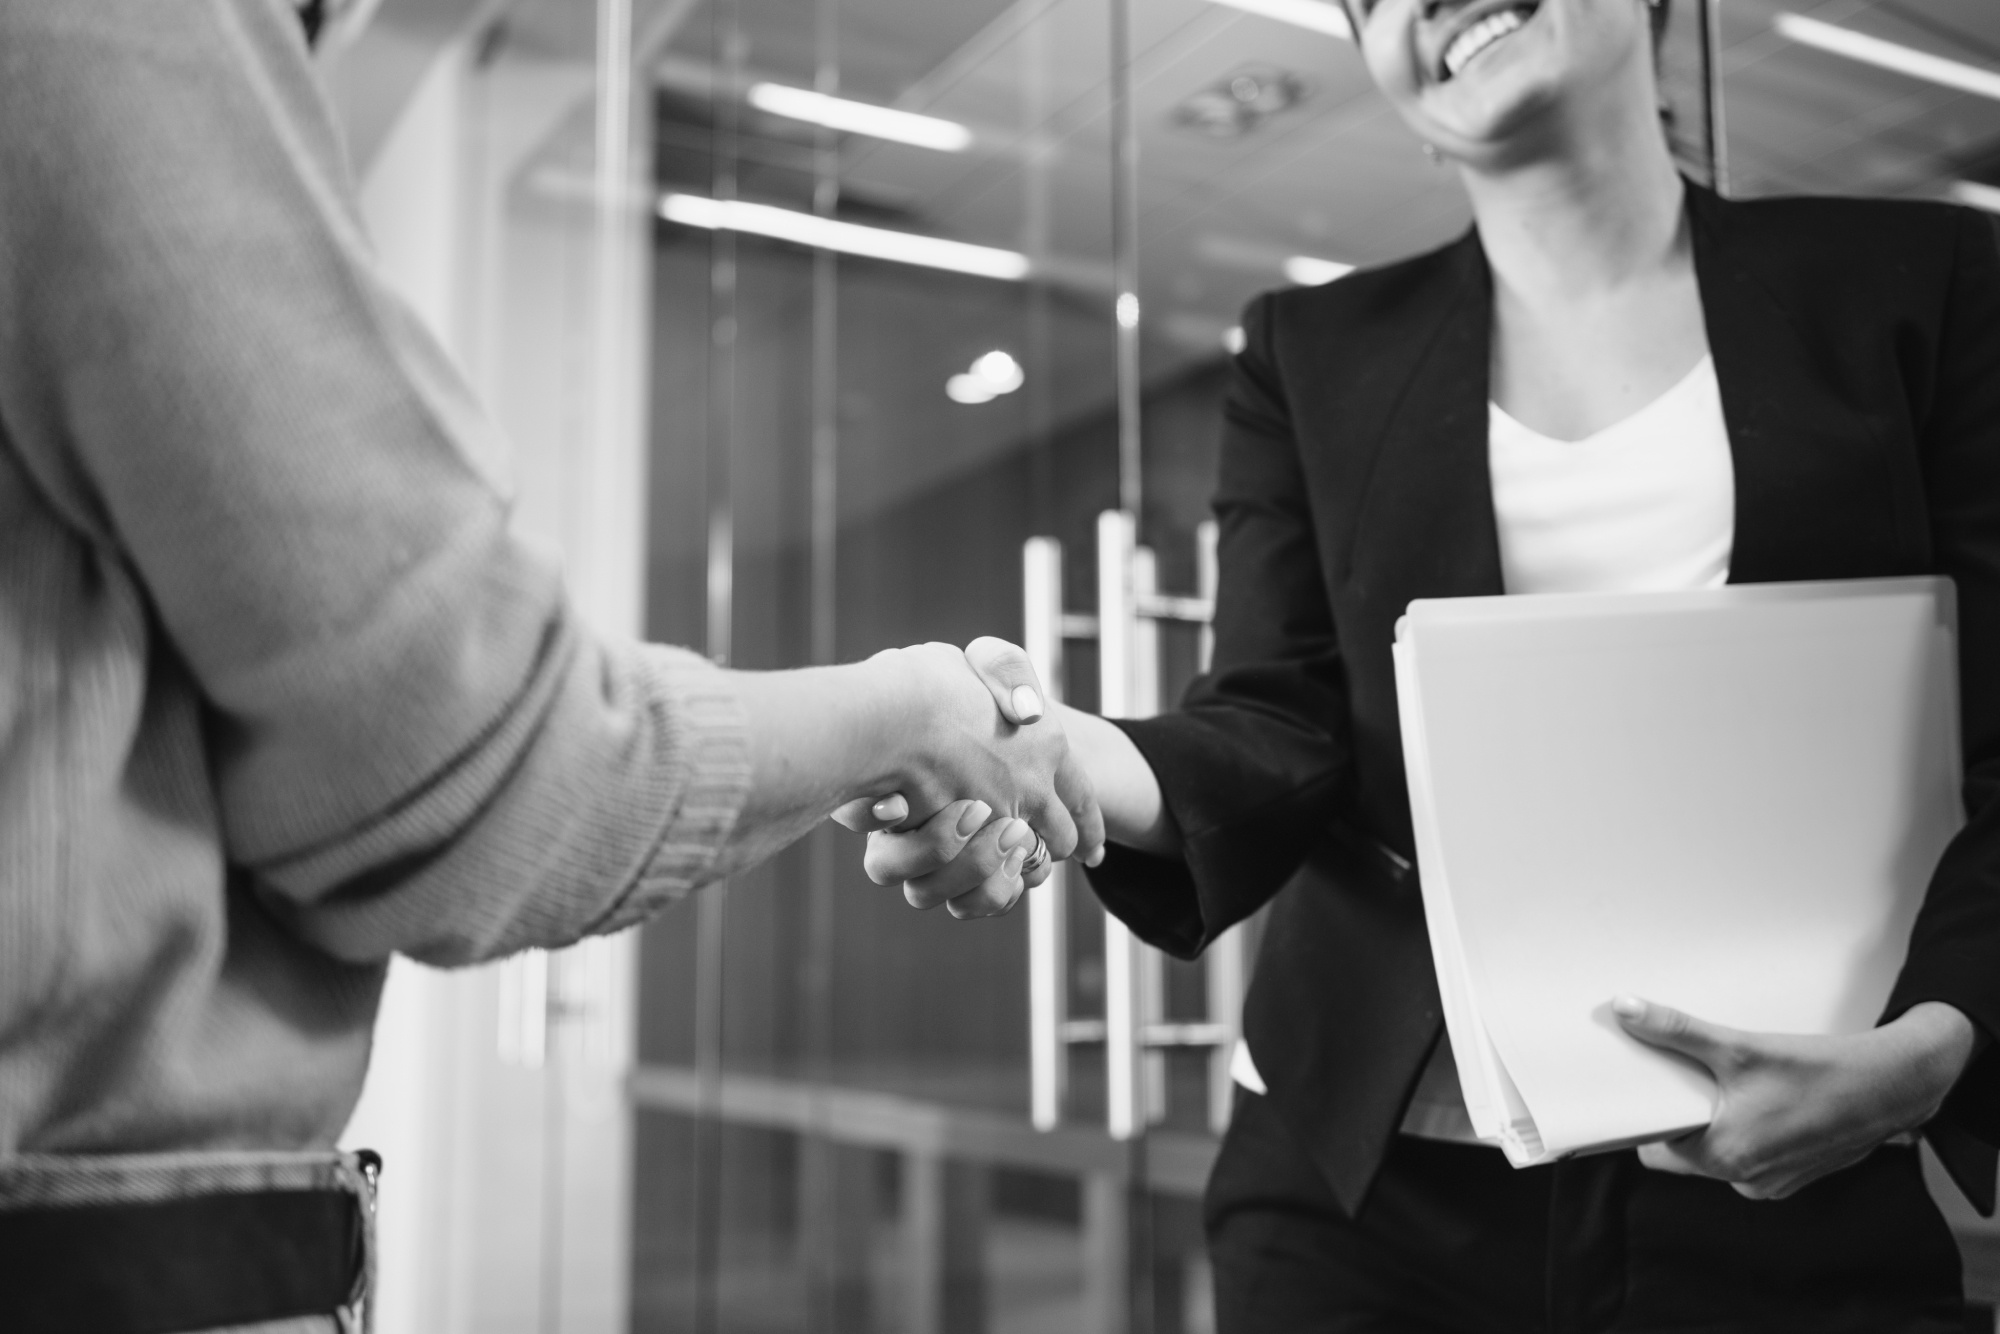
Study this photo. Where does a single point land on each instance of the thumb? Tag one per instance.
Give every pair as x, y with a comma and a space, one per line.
1006, 671
1668, 1028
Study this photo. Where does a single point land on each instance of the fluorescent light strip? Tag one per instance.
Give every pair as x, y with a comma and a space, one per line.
1977, 195
1307, 271
1316, 15
784, 224
838, 113
1955, 74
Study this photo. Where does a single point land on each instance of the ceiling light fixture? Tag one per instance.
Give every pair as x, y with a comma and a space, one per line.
839, 113
1307, 271
1241, 103
992, 375
1859, 46
1977, 195
1315, 15
784, 224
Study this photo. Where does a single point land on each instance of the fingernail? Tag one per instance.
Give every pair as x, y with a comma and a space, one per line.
889, 808
1012, 866
1027, 704
1628, 1007
974, 818
1017, 837
1096, 857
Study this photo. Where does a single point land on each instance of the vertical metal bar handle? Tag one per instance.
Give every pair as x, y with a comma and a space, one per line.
1117, 534
1048, 907
1117, 537
1227, 972
1149, 971
1207, 579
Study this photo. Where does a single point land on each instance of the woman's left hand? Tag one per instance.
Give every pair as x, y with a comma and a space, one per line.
1791, 1109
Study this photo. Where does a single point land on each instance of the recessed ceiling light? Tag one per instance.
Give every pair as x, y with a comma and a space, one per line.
1000, 370
806, 229
1316, 15
1241, 102
840, 113
1859, 46
1307, 271
992, 375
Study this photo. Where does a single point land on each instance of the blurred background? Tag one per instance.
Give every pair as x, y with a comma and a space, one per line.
820, 326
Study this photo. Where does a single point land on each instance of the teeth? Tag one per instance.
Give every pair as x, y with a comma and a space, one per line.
1480, 36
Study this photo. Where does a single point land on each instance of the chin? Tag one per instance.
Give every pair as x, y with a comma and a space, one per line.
1509, 117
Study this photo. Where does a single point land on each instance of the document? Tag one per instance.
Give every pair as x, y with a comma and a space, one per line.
1728, 801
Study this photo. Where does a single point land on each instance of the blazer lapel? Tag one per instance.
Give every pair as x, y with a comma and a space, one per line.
1426, 526
1818, 493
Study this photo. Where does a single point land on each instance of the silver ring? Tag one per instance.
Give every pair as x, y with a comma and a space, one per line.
1037, 859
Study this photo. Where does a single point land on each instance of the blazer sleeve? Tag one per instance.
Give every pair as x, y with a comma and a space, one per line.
1254, 764
1955, 946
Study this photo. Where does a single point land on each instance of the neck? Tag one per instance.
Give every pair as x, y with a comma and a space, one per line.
1600, 209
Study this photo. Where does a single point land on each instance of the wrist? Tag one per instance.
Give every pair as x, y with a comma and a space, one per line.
894, 709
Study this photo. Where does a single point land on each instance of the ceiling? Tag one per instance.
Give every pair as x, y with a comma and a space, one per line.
1336, 176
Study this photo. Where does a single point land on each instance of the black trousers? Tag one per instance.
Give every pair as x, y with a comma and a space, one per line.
1452, 1240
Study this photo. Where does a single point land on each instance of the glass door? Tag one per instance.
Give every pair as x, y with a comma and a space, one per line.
944, 300
1894, 98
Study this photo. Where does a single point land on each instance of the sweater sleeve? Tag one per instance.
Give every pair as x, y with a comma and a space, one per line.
1254, 764
414, 746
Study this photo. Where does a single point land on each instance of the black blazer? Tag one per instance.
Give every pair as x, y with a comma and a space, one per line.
1857, 344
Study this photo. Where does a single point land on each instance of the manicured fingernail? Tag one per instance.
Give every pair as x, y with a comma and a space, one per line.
1027, 704
1012, 866
1096, 857
1017, 837
974, 818
889, 808
1628, 1007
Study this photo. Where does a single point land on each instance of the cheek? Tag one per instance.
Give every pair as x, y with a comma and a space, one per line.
1392, 64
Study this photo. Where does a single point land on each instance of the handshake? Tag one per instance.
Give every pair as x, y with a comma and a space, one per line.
984, 792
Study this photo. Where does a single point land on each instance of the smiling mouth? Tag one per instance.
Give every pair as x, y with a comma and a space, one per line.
1495, 27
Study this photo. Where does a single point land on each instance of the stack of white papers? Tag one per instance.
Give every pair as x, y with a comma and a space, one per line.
1727, 801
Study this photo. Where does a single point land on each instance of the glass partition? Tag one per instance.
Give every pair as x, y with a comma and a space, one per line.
1893, 98
855, 430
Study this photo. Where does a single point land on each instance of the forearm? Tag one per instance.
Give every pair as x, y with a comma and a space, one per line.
1128, 792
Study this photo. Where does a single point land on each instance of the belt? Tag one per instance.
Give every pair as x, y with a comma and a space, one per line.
168, 1243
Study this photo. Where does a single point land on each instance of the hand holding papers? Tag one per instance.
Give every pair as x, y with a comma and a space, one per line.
1792, 1108
1728, 802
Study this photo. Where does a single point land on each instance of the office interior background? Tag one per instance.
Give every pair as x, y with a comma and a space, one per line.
821, 326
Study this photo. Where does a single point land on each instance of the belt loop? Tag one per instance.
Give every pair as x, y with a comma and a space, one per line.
358, 1316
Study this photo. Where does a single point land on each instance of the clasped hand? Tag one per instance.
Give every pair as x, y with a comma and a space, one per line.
1791, 1109
995, 775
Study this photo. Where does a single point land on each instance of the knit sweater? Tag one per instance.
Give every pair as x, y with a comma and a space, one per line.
281, 694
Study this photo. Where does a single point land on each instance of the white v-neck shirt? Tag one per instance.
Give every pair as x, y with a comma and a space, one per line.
1647, 504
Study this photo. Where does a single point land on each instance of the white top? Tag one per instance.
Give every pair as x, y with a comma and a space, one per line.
1647, 504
